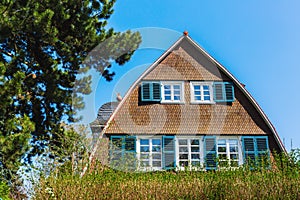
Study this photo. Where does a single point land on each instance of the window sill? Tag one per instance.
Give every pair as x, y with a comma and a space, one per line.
203, 102
172, 102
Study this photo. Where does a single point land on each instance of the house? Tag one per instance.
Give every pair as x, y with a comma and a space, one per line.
187, 111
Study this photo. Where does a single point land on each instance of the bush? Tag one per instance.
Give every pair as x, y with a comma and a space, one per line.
280, 182
4, 191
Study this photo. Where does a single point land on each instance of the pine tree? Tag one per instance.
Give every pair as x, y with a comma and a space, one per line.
43, 45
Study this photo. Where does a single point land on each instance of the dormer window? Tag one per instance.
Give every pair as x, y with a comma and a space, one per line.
172, 92
201, 92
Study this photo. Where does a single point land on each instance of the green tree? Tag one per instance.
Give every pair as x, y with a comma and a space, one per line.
43, 45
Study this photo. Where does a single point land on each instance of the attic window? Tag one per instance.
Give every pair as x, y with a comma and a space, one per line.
172, 92
201, 92
223, 92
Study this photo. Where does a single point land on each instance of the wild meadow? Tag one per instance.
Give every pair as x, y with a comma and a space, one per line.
281, 181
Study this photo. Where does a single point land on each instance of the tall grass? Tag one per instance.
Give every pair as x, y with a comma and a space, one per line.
280, 182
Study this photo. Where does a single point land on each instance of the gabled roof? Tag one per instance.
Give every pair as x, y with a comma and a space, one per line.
181, 54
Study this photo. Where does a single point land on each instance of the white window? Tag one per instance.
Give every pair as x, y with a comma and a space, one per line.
189, 153
228, 153
172, 92
201, 92
150, 153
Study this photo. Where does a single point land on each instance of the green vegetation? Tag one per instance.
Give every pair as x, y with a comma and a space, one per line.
280, 182
44, 46
4, 191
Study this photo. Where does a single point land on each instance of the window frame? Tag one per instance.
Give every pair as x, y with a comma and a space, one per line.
201, 84
172, 90
151, 153
189, 152
228, 153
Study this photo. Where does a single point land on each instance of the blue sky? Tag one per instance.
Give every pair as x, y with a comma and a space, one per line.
257, 41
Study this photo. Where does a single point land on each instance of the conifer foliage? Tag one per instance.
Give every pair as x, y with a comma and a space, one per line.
43, 45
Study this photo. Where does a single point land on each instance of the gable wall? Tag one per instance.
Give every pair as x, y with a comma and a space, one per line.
237, 118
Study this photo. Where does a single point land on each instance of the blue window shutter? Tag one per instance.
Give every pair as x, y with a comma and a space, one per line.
130, 152
145, 92
256, 150
150, 91
229, 91
210, 152
156, 94
262, 144
249, 149
169, 157
223, 92
262, 149
116, 151
218, 92
123, 152
130, 144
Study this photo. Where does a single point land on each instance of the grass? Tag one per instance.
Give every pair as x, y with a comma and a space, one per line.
281, 182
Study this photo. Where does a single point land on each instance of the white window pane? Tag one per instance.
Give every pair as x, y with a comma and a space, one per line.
222, 149
182, 142
233, 142
155, 148
207, 98
184, 156
195, 163
205, 87
156, 156
222, 156
234, 149
206, 93
145, 164
176, 87
177, 98
156, 163
196, 87
221, 142
144, 148
167, 87
183, 163
195, 142
183, 149
197, 98
234, 156
167, 92
197, 93
156, 141
167, 97
177, 93
144, 156
195, 149
144, 142
195, 156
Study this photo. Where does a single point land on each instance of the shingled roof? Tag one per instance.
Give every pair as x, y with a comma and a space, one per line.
186, 61
104, 113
